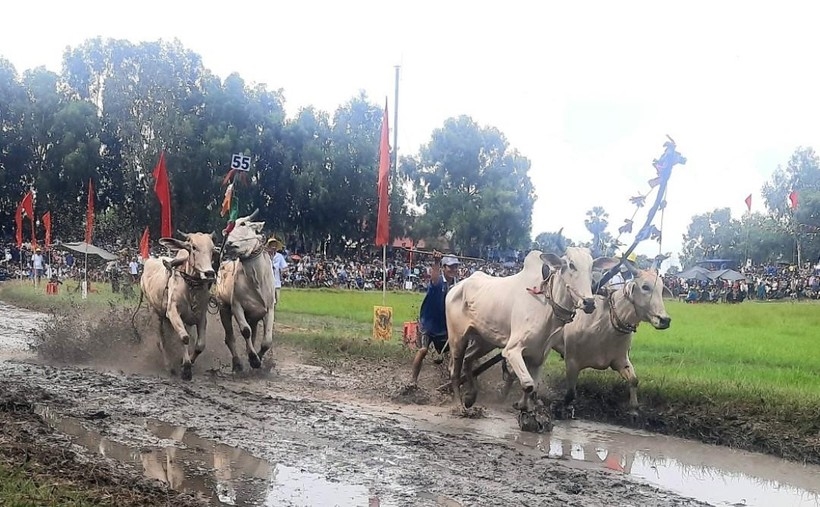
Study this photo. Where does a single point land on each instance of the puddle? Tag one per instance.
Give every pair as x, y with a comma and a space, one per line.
717, 475
16, 326
221, 474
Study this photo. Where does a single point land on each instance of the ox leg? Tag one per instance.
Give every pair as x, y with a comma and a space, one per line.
185, 338
199, 344
516, 361
572, 382
627, 372
458, 345
475, 351
247, 332
509, 378
161, 346
267, 334
226, 317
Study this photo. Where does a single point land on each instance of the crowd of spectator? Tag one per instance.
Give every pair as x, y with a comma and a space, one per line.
405, 271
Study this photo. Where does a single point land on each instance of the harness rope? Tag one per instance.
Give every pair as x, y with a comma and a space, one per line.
618, 324
565, 315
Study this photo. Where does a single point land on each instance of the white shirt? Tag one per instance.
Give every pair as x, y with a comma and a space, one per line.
135, 268
37, 261
616, 282
278, 262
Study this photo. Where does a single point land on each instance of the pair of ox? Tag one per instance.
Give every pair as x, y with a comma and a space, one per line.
178, 290
529, 313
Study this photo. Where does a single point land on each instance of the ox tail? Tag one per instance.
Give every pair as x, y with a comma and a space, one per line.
137, 336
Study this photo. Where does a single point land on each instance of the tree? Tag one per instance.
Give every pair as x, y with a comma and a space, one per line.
554, 242
802, 175
596, 222
712, 235
473, 187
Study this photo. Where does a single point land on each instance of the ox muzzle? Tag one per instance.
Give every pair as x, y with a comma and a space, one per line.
587, 305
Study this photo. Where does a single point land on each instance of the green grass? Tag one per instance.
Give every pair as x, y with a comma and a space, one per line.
21, 489
760, 355
750, 352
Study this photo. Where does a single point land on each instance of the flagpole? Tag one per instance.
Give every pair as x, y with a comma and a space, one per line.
384, 274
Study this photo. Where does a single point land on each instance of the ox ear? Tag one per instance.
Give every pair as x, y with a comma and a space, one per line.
604, 263
174, 244
256, 226
552, 260
667, 294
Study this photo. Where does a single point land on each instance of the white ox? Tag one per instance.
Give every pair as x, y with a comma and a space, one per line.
603, 338
519, 314
178, 290
245, 290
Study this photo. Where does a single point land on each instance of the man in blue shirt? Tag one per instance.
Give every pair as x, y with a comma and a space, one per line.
432, 327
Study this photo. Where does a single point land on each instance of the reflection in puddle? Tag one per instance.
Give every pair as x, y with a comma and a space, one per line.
716, 475
221, 474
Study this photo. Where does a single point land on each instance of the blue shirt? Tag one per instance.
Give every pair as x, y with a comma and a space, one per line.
432, 319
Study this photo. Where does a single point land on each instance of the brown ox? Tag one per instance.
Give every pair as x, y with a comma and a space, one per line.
245, 290
178, 290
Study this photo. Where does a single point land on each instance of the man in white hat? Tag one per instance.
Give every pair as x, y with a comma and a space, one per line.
278, 264
432, 328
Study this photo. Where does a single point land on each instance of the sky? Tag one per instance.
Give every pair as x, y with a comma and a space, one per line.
586, 90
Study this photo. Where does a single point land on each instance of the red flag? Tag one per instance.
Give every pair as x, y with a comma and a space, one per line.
749, 203
144, 244
27, 206
383, 223
47, 225
163, 191
793, 199
89, 213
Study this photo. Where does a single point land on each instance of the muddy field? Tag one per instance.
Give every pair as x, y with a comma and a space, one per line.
305, 431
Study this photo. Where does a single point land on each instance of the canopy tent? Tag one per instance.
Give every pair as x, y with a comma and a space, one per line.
696, 273
727, 274
83, 247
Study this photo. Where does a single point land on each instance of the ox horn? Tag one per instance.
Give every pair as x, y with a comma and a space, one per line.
184, 235
252, 216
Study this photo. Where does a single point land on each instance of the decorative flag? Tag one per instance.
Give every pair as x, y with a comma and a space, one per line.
383, 223
749, 203
89, 213
47, 225
26, 206
230, 204
793, 199
163, 191
144, 244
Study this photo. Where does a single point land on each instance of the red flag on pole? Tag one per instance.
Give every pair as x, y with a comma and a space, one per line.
89, 213
26, 206
749, 203
383, 223
163, 191
793, 199
47, 225
144, 244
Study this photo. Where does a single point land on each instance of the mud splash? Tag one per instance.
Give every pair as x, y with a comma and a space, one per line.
218, 473
16, 326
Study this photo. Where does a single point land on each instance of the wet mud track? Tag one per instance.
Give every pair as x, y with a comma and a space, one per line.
295, 437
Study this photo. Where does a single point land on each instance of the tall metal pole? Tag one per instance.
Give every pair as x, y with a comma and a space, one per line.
396, 123
395, 168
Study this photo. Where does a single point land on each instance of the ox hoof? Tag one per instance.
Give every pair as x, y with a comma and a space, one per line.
236, 365
246, 333
185, 339
254, 361
186, 372
534, 422
469, 398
